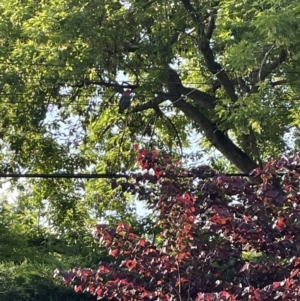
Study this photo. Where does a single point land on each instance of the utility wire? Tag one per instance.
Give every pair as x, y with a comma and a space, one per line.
110, 176
74, 66
143, 80
91, 102
63, 175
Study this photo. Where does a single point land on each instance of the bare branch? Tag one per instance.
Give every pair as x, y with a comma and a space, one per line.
220, 140
161, 114
264, 61
268, 68
189, 34
147, 124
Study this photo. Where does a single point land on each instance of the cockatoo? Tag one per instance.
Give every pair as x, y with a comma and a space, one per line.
125, 101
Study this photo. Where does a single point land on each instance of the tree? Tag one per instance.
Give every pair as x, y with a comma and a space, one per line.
221, 238
235, 64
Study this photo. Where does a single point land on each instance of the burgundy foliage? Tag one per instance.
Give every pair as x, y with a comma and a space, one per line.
222, 238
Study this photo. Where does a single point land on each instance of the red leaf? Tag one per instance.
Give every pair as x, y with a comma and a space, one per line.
257, 295
135, 147
78, 288
122, 228
159, 174
115, 252
155, 153
165, 182
296, 262
132, 236
142, 242
205, 297
99, 292
85, 272
181, 256
245, 267
280, 224
146, 294
131, 264
217, 219
103, 269
227, 295
168, 159
276, 285
294, 273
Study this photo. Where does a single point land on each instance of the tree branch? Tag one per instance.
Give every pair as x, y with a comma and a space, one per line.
210, 27
261, 74
202, 98
188, 6
153, 104
217, 138
223, 78
278, 82
249, 145
161, 114
264, 60
175, 87
221, 141
205, 49
243, 86
215, 68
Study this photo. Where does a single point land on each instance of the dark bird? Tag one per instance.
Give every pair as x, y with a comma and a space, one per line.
125, 101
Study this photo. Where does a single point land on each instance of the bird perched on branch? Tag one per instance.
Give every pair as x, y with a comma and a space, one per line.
125, 100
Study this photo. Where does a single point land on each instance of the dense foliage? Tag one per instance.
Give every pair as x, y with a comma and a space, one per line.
28, 256
224, 70
221, 237
234, 63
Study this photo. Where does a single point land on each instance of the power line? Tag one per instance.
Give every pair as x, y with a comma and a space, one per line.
89, 66
82, 66
132, 82
143, 80
74, 66
84, 104
63, 175
111, 175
